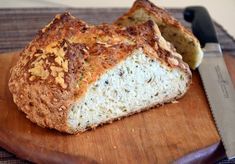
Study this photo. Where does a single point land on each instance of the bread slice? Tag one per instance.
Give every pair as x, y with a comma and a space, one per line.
182, 39
73, 77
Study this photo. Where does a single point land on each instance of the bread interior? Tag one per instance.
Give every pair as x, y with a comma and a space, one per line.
137, 83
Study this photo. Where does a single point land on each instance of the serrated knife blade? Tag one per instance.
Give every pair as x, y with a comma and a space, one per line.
220, 93
215, 77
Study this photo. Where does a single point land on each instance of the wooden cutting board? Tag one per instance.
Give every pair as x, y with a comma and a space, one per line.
160, 135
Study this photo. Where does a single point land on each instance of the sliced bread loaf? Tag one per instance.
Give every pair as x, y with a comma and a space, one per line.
73, 77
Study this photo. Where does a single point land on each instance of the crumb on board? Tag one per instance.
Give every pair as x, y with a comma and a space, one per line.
175, 102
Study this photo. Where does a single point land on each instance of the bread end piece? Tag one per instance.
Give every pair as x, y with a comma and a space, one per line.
172, 30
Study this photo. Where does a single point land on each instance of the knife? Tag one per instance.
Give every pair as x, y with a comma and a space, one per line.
215, 77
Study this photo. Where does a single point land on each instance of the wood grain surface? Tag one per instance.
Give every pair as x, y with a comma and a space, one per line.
160, 135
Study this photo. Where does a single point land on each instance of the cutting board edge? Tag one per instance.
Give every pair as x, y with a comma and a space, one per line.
29, 151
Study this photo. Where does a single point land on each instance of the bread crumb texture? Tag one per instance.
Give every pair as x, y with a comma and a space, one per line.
132, 85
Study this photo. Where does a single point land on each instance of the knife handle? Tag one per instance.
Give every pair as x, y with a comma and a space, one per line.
202, 25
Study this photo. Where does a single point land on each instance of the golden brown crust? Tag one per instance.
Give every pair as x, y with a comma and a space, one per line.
57, 67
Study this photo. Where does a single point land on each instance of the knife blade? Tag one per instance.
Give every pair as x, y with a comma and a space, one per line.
215, 76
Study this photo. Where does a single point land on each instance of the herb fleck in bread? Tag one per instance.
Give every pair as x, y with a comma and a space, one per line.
182, 39
73, 77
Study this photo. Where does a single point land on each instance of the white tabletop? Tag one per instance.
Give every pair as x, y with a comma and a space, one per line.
223, 11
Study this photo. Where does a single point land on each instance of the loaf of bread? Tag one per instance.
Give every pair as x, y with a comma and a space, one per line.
182, 39
73, 77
